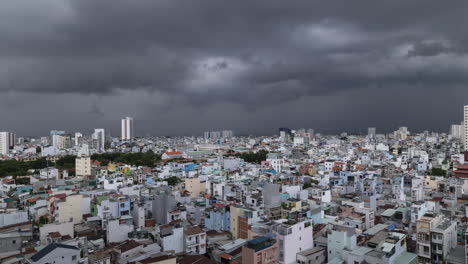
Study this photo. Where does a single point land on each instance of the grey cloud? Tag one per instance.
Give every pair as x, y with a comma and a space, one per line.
203, 54
428, 49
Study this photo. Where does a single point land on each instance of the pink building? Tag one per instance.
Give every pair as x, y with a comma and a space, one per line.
261, 250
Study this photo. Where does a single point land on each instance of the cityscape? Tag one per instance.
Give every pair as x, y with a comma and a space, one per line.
233, 132
294, 197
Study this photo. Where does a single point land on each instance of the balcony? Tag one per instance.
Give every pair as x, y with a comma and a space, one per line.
191, 242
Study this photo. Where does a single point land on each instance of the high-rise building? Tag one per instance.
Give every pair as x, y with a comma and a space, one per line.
215, 134
78, 138
465, 127
100, 136
285, 133
227, 133
11, 140
83, 166
127, 129
56, 137
402, 133
456, 131
61, 141
4, 142
371, 132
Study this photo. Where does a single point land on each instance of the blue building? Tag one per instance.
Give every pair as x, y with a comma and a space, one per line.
218, 218
124, 205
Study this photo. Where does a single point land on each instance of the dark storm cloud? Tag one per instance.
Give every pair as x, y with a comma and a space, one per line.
254, 54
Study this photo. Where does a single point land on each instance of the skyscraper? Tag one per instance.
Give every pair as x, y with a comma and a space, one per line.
457, 131
4, 142
465, 127
56, 137
227, 133
78, 138
127, 129
371, 132
11, 140
100, 136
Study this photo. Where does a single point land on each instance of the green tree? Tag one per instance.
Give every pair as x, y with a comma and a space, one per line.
438, 172
173, 180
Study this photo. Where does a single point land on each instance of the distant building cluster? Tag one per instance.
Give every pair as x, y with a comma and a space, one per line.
218, 134
294, 197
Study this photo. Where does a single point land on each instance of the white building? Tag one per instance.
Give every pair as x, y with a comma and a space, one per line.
127, 129
56, 253
70, 210
456, 131
118, 229
227, 133
100, 136
465, 127
293, 238
276, 161
63, 228
371, 132
4, 142
171, 238
195, 240
436, 237
78, 138
339, 239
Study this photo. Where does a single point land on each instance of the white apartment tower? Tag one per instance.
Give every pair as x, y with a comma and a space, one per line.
465, 127
100, 136
4, 142
78, 138
371, 132
127, 129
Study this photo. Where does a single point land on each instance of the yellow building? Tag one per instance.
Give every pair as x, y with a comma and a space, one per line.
195, 187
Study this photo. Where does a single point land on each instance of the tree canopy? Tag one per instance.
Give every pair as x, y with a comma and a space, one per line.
254, 157
138, 159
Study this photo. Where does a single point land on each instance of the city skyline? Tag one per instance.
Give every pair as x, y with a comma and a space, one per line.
240, 132
314, 65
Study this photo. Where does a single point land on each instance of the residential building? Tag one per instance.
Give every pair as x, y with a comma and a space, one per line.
127, 129
261, 250
56, 253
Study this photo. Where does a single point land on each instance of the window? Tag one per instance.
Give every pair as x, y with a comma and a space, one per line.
74, 257
13, 242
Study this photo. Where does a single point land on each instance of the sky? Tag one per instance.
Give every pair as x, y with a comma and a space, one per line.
184, 67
